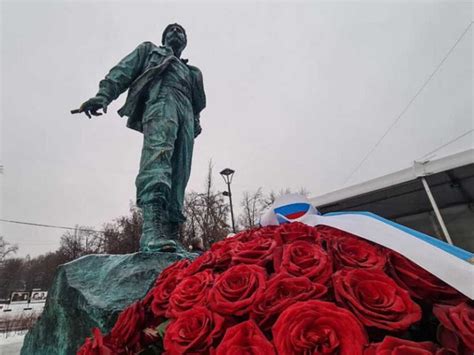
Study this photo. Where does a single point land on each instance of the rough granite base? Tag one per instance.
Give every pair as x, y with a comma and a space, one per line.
90, 292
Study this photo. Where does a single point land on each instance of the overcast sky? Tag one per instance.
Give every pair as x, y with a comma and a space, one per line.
298, 93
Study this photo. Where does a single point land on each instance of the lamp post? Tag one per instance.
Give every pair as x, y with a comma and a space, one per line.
227, 175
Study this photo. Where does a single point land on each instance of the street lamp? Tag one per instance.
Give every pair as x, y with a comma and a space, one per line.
227, 175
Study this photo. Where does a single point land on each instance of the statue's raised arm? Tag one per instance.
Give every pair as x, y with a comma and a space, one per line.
119, 79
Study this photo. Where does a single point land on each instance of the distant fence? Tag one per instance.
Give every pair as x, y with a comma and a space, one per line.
20, 322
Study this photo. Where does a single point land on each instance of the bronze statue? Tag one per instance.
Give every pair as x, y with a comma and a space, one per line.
165, 98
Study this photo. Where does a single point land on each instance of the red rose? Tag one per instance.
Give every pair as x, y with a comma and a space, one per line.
96, 346
395, 346
258, 251
456, 329
245, 338
420, 283
244, 236
317, 327
172, 270
222, 252
268, 231
375, 299
254, 233
191, 291
349, 251
236, 289
281, 292
194, 331
289, 232
128, 327
158, 296
302, 258
203, 262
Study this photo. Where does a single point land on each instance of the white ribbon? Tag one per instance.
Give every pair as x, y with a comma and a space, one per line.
451, 264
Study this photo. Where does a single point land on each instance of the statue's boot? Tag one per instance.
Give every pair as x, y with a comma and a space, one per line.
172, 232
154, 237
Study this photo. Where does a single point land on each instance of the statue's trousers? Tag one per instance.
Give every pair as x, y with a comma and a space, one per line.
165, 165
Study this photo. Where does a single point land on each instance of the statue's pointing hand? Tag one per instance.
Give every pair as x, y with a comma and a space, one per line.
91, 107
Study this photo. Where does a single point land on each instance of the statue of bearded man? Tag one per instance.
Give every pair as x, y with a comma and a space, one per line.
165, 98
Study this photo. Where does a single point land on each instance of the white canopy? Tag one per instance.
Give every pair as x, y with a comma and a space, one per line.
434, 197
417, 170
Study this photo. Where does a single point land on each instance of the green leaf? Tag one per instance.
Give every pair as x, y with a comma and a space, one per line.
162, 328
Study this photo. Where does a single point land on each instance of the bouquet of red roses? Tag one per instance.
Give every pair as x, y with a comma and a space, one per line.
293, 289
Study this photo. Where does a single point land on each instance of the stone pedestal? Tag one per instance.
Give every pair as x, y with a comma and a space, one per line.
90, 292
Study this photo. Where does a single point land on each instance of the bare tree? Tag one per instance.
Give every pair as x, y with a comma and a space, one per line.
206, 215
253, 204
120, 236
123, 234
10, 279
272, 196
82, 241
6, 248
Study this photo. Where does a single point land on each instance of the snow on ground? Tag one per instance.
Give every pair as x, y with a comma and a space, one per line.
11, 337
8, 311
10, 343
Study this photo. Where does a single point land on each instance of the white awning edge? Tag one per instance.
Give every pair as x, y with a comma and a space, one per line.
418, 169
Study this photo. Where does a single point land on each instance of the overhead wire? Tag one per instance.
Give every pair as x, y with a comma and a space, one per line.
446, 144
405, 109
51, 226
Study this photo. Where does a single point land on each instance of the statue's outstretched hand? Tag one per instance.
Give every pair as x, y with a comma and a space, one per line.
91, 106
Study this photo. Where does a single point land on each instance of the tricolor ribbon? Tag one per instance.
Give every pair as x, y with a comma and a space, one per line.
453, 265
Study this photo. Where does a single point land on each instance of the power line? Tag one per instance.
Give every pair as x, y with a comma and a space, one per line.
51, 226
427, 81
446, 144
35, 244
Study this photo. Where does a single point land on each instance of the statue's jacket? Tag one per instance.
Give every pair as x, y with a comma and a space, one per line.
136, 72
